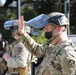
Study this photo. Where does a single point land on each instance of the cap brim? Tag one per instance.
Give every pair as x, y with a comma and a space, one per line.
38, 22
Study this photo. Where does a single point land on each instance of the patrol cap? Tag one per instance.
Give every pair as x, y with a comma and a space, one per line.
43, 20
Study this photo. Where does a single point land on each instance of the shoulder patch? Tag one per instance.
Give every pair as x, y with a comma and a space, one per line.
71, 63
19, 50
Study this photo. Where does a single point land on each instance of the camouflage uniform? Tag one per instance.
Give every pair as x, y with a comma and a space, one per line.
17, 64
58, 60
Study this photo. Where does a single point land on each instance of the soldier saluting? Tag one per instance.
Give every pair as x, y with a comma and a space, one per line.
59, 53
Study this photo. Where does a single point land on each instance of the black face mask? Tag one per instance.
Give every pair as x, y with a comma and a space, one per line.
48, 35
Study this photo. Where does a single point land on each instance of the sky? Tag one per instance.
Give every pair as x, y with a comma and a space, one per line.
3, 1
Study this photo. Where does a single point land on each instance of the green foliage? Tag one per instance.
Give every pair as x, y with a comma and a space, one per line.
28, 12
40, 38
4, 16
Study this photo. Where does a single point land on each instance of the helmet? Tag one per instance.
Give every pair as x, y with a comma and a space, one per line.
58, 19
42, 20
13, 25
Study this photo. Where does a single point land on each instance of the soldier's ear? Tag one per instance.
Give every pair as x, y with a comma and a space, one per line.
60, 28
57, 30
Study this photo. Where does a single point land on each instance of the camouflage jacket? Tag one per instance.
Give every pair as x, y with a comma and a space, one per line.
58, 60
19, 58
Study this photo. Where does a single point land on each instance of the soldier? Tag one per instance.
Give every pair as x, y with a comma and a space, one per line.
59, 53
3, 44
17, 62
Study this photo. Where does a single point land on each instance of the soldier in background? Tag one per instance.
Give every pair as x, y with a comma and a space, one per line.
17, 62
59, 53
3, 49
3, 45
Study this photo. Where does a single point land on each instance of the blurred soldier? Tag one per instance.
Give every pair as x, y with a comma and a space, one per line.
59, 53
17, 62
3, 44
3, 49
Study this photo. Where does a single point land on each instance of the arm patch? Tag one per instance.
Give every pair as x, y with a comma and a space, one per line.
71, 63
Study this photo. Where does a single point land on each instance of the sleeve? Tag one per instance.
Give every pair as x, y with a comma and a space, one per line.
36, 49
20, 59
68, 62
